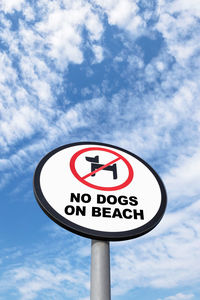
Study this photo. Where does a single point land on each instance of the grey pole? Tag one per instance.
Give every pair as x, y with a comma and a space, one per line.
100, 271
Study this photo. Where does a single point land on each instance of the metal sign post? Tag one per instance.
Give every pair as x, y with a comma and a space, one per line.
100, 271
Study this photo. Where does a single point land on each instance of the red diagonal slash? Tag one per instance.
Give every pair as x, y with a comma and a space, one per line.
101, 168
118, 156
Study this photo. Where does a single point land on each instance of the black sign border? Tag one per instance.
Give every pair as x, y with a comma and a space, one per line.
90, 233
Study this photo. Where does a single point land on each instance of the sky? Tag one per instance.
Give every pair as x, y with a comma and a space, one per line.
122, 72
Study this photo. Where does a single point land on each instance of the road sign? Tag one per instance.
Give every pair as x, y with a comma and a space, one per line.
99, 191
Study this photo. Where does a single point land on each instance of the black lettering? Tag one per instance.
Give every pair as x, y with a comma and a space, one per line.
75, 197
133, 201
69, 210
117, 213
123, 200
106, 212
125, 211
85, 198
101, 199
96, 211
80, 211
110, 201
140, 213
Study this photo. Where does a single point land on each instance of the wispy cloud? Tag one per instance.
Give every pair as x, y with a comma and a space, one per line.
38, 276
179, 296
38, 54
32, 69
11, 6
124, 14
182, 179
161, 259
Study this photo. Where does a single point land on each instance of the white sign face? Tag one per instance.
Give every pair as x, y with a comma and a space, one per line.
99, 191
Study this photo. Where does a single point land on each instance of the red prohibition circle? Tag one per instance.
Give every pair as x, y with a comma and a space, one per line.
82, 180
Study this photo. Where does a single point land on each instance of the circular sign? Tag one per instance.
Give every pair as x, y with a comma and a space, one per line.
99, 191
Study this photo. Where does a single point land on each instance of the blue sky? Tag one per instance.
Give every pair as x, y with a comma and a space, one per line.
122, 72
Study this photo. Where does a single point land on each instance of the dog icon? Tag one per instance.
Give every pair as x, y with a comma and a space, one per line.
96, 165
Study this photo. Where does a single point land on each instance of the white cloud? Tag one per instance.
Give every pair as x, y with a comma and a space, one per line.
94, 26
62, 35
182, 6
124, 14
31, 77
98, 52
49, 273
179, 296
57, 36
29, 13
36, 46
7, 72
74, 118
183, 178
4, 163
11, 5
179, 26
22, 123
35, 280
162, 258
62, 28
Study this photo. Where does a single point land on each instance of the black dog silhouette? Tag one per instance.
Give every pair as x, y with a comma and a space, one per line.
95, 165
